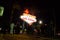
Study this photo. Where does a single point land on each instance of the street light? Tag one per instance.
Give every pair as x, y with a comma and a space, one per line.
40, 22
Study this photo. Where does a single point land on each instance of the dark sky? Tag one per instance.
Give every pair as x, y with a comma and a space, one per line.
37, 3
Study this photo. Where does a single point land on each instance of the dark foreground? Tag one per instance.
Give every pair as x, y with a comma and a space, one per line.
22, 37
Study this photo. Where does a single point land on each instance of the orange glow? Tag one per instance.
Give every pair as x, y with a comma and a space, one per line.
26, 11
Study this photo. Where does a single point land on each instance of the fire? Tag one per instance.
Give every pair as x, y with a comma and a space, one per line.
26, 11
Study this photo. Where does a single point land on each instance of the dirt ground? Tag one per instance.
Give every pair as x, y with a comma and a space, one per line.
22, 37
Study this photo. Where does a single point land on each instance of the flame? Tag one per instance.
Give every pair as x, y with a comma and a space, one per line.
26, 11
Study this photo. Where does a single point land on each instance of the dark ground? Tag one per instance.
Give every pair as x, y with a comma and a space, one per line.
22, 37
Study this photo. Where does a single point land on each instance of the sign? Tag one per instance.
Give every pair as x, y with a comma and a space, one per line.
1, 11
28, 18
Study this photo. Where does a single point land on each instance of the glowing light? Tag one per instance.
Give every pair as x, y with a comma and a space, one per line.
1, 11
26, 11
28, 18
40, 22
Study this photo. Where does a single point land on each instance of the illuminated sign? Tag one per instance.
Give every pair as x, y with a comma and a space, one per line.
1, 11
28, 18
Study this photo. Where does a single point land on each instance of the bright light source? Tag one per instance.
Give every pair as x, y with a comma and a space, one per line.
1, 11
40, 22
28, 18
